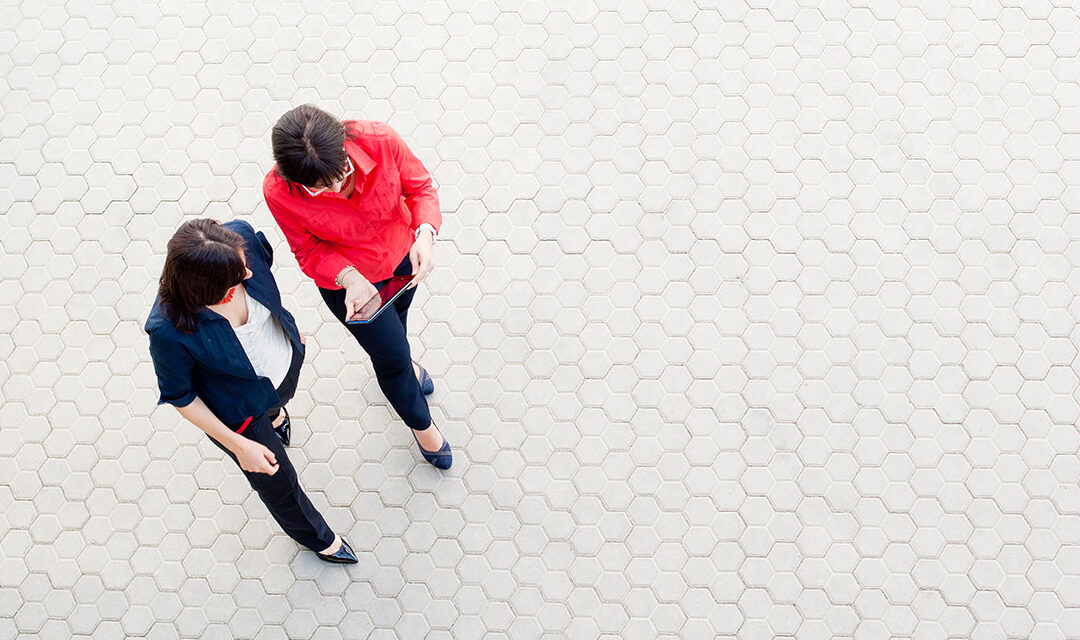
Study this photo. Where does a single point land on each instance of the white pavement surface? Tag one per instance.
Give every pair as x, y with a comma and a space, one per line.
753, 320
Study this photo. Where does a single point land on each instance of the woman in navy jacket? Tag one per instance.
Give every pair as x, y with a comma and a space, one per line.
227, 356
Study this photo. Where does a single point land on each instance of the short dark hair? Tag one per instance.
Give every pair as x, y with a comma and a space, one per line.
309, 146
203, 262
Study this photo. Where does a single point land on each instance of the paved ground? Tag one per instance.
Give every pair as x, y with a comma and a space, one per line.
750, 321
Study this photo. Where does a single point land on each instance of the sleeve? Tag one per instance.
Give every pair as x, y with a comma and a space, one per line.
173, 366
425, 225
316, 257
416, 186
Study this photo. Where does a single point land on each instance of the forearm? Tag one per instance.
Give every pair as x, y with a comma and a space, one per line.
200, 415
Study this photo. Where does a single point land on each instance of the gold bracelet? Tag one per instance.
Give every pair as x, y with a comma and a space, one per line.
338, 279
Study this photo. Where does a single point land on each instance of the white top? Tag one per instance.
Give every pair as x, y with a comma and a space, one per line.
265, 342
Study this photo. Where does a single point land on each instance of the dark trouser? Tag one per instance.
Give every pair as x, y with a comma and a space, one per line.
387, 343
281, 492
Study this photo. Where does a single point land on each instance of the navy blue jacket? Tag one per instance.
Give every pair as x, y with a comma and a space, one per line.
210, 362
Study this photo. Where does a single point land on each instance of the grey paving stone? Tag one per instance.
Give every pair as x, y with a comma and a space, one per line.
748, 322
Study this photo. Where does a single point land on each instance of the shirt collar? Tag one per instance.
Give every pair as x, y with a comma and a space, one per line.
360, 158
206, 315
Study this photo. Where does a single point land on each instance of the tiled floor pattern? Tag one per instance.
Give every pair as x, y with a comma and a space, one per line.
753, 319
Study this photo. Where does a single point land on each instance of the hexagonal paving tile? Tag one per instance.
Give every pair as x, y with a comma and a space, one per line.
748, 322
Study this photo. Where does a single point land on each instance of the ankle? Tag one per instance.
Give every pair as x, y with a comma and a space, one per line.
334, 546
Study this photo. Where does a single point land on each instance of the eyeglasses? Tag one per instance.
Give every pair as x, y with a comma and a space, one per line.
348, 172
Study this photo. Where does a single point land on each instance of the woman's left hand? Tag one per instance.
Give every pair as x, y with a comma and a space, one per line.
421, 255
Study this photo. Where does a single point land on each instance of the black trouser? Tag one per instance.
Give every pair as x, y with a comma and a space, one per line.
387, 343
281, 492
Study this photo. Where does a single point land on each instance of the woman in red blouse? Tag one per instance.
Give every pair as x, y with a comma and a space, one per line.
357, 207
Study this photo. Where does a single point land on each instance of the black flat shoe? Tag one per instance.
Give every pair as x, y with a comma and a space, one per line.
441, 459
344, 555
284, 430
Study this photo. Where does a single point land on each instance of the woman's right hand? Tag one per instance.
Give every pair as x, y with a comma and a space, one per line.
358, 291
256, 458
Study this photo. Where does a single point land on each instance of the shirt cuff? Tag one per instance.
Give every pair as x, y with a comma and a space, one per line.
179, 401
330, 267
426, 225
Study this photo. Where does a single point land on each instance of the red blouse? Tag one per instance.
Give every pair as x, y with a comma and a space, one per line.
374, 228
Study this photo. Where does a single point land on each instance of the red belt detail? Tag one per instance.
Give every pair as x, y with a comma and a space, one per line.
245, 425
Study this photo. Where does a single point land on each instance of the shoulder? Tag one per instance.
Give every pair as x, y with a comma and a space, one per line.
256, 244
374, 130
377, 139
168, 345
246, 231
169, 348
157, 325
243, 227
279, 195
274, 186
272, 181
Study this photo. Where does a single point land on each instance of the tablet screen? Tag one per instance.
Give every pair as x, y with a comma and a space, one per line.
390, 291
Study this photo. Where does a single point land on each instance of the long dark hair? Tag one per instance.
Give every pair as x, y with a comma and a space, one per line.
309, 146
203, 262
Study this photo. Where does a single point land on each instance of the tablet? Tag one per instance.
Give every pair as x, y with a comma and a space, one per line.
378, 303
